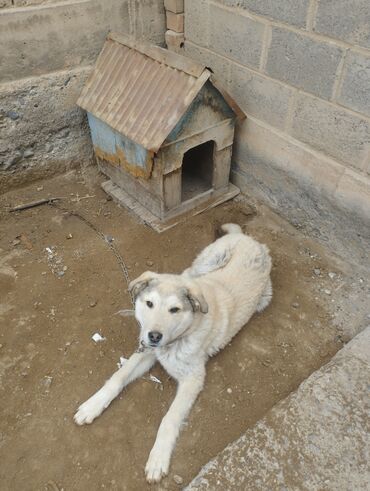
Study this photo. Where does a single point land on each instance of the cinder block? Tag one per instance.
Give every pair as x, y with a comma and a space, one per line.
175, 6
63, 35
258, 96
290, 11
346, 20
174, 40
175, 22
332, 130
235, 36
219, 66
302, 62
197, 21
355, 91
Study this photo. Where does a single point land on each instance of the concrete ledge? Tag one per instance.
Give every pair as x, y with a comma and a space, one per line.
315, 439
43, 132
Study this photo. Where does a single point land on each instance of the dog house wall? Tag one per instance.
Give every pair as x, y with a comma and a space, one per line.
150, 177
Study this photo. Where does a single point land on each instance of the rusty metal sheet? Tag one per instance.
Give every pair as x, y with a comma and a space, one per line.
138, 96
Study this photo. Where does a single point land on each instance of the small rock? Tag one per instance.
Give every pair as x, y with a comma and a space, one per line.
43, 273
178, 479
136, 265
17, 157
328, 292
149, 263
60, 274
332, 275
69, 236
229, 390
40, 188
295, 305
1, 345
16, 242
28, 153
93, 303
12, 115
317, 271
108, 198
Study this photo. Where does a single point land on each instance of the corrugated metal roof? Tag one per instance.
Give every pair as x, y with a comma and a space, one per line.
141, 90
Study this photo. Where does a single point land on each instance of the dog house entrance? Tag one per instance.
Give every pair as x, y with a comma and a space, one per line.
197, 170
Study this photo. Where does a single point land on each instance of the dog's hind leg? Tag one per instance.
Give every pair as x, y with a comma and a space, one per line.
160, 455
135, 366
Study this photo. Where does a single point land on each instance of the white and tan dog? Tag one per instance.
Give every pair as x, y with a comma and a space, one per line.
184, 320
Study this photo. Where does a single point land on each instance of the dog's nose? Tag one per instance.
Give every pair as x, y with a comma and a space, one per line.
155, 337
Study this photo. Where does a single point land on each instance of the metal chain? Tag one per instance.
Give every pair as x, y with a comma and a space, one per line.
107, 239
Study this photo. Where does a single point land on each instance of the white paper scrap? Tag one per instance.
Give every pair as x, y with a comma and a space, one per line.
154, 379
97, 338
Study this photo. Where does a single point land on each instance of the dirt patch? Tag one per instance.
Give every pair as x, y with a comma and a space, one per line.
60, 284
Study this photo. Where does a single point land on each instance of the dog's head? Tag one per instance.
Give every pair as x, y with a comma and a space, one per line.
165, 306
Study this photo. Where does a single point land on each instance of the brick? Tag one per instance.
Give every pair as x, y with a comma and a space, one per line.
174, 40
290, 11
303, 62
175, 22
220, 66
355, 90
197, 21
175, 6
235, 36
332, 130
346, 20
258, 96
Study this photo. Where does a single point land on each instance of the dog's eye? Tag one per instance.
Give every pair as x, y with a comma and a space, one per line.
173, 310
149, 304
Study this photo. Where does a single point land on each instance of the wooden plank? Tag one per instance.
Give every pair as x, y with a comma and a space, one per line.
240, 114
221, 168
172, 189
127, 201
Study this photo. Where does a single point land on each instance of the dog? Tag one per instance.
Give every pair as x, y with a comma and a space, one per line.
184, 319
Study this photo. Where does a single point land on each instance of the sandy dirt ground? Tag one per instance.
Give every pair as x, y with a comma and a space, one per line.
53, 302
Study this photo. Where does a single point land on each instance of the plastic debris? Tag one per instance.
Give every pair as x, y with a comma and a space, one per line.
98, 338
154, 379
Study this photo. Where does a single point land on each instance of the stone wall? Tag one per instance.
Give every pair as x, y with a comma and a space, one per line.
301, 71
47, 49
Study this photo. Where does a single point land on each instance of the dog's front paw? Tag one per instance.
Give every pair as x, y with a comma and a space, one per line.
90, 409
157, 466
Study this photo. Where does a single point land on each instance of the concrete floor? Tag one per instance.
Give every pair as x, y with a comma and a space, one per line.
53, 300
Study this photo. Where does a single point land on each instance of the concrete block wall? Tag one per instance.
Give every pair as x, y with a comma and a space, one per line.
301, 71
47, 49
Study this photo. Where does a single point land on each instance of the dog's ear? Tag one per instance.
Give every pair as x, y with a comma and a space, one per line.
197, 300
140, 283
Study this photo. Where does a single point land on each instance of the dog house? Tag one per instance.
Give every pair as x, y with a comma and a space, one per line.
162, 130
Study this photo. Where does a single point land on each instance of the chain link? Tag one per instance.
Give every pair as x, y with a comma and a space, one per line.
107, 239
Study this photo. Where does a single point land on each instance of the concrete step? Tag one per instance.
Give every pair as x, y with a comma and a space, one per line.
315, 439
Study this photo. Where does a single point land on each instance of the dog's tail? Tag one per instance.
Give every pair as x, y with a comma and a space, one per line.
231, 228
